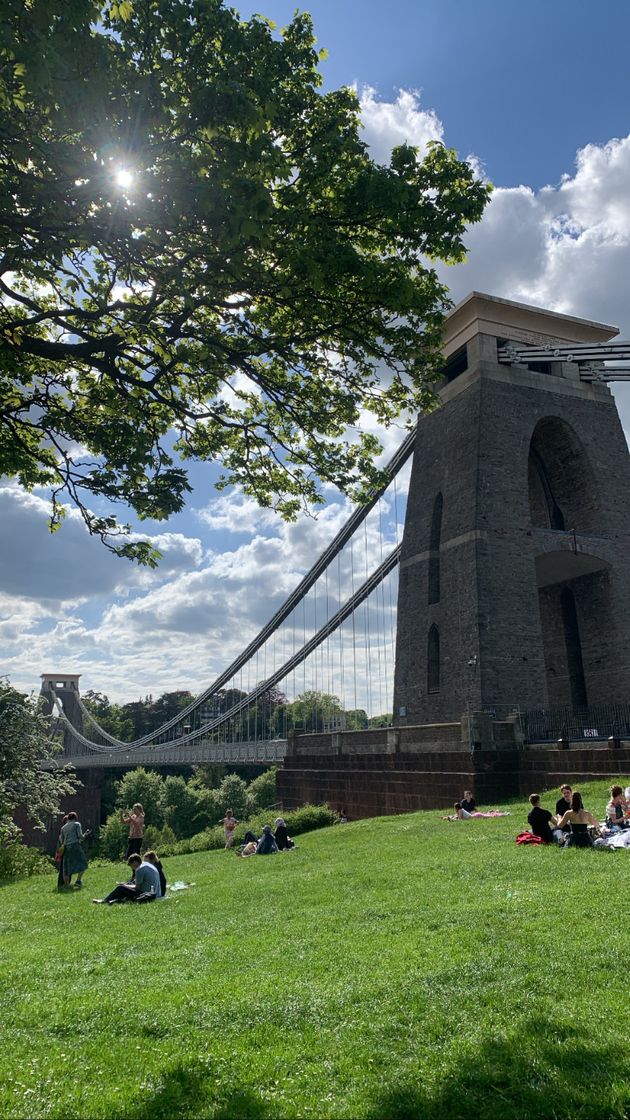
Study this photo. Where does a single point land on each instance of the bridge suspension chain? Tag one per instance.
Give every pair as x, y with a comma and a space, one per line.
321, 565
332, 624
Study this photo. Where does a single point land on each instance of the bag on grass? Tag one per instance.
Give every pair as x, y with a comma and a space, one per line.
527, 838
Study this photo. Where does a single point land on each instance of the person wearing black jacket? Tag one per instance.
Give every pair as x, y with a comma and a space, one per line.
564, 804
539, 818
283, 840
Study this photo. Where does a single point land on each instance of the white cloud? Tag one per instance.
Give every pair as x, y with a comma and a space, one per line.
69, 566
565, 247
388, 123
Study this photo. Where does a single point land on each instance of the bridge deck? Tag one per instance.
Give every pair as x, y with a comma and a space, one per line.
263, 751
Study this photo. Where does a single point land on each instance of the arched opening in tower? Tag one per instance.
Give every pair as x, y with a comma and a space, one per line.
563, 493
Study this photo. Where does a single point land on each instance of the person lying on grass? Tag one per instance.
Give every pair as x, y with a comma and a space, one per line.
461, 814
144, 888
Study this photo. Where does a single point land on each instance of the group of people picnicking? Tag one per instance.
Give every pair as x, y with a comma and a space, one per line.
573, 826
266, 844
148, 881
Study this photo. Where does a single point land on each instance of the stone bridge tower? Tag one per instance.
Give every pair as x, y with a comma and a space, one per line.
515, 570
66, 687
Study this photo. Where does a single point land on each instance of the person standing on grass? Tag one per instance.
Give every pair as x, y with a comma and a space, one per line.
135, 820
74, 858
59, 858
229, 823
144, 888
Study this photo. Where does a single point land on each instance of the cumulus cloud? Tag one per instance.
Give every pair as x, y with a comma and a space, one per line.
388, 123
69, 566
566, 247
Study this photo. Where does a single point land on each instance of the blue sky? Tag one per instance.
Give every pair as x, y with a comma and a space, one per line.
539, 95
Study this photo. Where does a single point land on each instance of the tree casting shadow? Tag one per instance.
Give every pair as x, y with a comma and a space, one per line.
536, 1073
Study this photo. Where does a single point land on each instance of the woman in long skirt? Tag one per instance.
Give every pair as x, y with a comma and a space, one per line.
74, 858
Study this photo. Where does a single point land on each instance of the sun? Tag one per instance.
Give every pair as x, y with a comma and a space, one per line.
124, 178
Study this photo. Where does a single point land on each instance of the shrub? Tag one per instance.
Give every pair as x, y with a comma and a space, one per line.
147, 787
112, 840
209, 809
233, 795
158, 838
298, 821
181, 805
261, 793
19, 862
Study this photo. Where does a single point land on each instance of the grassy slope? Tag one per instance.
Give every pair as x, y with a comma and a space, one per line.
396, 967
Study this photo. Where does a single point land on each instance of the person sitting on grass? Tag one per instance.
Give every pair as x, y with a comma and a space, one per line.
266, 845
539, 820
144, 888
468, 802
579, 820
282, 838
617, 809
151, 857
563, 804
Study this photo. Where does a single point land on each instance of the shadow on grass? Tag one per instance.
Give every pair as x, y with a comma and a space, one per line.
543, 1072
185, 1092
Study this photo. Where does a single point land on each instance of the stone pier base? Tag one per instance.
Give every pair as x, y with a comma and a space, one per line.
399, 770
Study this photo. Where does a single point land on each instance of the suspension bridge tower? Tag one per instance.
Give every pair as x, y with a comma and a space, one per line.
514, 587
63, 687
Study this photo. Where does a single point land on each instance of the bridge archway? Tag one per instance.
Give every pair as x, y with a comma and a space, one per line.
563, 490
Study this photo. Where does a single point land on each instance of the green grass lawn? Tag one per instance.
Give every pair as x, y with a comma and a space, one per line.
397, 967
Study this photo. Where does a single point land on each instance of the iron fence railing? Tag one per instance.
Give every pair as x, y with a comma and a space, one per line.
600, 721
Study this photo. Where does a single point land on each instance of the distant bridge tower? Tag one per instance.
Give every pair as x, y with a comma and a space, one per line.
65, 686
515, 569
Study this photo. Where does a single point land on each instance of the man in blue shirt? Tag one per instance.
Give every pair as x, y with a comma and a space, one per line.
144, 888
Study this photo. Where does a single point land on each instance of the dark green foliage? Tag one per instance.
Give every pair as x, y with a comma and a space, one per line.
146, 787
19, 862
138, 717
261, 792
29, 778
253, 238
112, 838
158, 839
182, 803
232, 794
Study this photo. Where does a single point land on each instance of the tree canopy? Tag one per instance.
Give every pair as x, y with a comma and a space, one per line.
200, 260
27, 778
